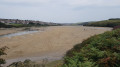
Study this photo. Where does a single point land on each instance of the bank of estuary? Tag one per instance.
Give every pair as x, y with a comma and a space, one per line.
52, 43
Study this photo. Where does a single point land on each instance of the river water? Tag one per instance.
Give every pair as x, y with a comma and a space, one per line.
18, 33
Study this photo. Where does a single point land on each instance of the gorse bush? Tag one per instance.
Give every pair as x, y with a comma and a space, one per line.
101, 50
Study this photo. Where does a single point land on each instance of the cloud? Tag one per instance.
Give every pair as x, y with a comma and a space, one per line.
27, 1
60, 10
70, 2
93, 2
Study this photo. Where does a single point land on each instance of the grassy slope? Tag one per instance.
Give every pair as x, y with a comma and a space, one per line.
105, 23
97, 51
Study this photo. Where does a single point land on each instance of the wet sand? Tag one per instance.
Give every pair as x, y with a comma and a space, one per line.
52, 43
4, 31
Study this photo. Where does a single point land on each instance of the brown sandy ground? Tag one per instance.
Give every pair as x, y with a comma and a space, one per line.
54, 40
4, 31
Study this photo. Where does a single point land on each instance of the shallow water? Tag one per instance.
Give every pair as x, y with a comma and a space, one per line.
100, 28
18, 33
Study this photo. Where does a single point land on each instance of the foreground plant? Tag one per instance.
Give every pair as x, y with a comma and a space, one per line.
98, 51
2, 52
29, 63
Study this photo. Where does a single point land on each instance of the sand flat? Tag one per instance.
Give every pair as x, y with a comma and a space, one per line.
55, 40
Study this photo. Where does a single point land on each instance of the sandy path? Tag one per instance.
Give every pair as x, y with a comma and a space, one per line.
53, 42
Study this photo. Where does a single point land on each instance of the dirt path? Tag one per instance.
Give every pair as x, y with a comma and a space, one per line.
53, 42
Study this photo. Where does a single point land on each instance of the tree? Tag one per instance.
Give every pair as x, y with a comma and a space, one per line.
2, 25
2, 52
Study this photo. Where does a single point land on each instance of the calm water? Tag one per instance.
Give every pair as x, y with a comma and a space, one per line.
18, 33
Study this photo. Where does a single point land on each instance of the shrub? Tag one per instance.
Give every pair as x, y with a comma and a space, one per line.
2, 52
2, 25
26, 63
29, 63
101, 50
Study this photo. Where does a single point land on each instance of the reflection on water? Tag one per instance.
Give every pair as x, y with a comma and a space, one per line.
18, 33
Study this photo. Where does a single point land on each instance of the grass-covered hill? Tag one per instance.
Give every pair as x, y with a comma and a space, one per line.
101, 50
16, 25
9, 23
104, 23
3, 25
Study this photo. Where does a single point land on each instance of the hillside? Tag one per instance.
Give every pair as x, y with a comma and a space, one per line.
8, 23
104, 23
101, 50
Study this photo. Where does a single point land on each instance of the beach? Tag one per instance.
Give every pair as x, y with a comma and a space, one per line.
52, 42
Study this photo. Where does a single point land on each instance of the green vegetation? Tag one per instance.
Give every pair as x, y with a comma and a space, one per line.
2, 25
2, 52
29, 63
54, 63
101, 50
26, 63
105, 23
17, 25
9, 23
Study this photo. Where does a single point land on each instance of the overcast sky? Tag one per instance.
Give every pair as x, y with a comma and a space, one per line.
60, 11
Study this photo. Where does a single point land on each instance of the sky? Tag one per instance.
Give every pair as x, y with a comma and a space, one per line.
60, 11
